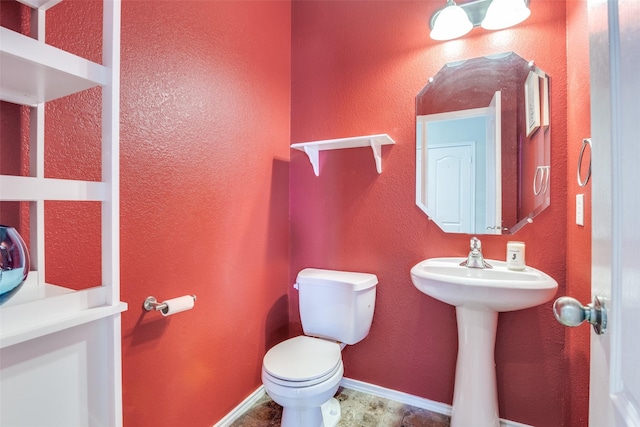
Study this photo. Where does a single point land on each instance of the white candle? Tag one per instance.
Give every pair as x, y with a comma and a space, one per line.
515, 256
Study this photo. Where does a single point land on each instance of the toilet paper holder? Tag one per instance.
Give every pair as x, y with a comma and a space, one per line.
151, 303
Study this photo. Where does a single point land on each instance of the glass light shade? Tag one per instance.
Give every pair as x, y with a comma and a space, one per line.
504, 14
450, 23
14, 262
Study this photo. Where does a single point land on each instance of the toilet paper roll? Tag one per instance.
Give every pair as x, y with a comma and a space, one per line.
176, 305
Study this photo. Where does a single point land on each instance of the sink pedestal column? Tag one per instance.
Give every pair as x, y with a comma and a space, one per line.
475, 396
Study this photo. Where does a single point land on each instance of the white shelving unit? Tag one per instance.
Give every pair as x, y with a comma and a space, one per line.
33, 73
374, 141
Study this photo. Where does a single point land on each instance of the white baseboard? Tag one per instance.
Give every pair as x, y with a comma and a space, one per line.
398, 396
409, 399
243, 407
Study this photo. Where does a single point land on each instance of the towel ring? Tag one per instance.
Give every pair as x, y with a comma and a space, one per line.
585, 142
541, 180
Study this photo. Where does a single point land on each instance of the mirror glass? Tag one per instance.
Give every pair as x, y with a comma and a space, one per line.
483, 145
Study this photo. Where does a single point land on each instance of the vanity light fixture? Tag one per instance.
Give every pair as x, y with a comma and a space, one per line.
455, 20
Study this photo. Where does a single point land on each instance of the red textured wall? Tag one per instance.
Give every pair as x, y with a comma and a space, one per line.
205, 132
357, 67
578, 238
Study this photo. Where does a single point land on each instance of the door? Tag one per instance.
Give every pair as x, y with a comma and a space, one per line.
615, 109
451, 186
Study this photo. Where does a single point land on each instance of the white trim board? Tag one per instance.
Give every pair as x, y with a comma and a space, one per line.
243, 407
374, 390
409, 399
397, 396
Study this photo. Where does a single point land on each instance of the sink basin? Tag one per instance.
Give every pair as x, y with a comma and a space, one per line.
497, 288
478, 295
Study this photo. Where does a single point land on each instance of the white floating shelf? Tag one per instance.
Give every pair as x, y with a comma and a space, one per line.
374, 141
33, 72
40, 4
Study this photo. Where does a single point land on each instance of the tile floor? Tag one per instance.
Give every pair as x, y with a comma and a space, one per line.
358, 410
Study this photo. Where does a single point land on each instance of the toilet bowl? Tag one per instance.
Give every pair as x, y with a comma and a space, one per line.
302, 374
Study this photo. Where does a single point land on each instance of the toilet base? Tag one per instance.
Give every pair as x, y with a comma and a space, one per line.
328, 415
331, 413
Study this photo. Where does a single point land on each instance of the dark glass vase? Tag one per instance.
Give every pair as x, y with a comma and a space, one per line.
14, 262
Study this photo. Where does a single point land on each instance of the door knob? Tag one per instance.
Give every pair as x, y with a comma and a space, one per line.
570, 312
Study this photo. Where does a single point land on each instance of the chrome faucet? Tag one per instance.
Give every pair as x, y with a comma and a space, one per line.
475, 258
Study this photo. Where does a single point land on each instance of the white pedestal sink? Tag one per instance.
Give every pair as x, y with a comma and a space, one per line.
479, 295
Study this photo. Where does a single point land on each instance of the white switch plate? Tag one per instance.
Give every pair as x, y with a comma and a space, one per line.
580, 209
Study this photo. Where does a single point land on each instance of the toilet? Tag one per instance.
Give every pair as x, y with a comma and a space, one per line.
302, 374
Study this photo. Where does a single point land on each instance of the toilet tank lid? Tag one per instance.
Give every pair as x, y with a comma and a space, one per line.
359, 281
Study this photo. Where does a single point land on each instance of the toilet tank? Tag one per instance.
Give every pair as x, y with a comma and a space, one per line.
336, 305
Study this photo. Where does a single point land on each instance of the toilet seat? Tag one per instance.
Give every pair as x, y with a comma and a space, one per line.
302, 361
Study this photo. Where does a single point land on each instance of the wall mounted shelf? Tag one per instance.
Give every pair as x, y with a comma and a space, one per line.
40, 4
374, 141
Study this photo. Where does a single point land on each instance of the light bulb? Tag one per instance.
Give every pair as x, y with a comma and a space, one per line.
504, 14
450, 23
